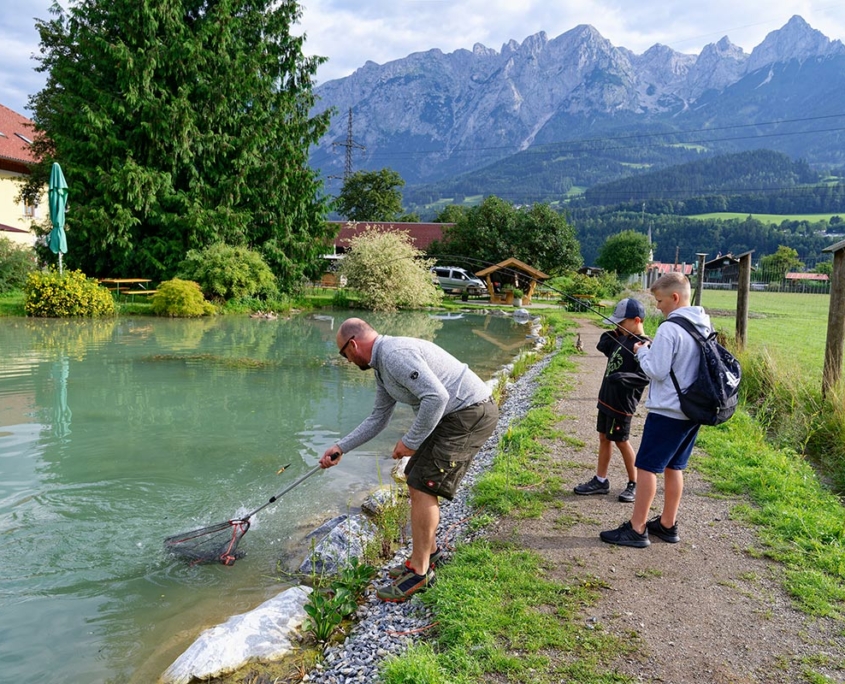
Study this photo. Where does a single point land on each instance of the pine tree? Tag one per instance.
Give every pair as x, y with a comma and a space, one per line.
181, 123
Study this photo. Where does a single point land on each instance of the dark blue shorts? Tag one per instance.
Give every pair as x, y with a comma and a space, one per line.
666, 443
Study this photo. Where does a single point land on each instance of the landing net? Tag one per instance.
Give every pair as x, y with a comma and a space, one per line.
213, 544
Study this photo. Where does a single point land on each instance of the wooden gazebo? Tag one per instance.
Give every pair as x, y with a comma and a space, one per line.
508, 274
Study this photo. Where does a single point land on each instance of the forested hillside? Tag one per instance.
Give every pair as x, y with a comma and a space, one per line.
683, 236
753, 172
546, 173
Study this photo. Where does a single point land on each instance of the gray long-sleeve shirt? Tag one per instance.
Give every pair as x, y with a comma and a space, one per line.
421, 374
673, 348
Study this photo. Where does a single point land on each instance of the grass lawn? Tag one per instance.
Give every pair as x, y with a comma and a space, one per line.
776, 219
792, 327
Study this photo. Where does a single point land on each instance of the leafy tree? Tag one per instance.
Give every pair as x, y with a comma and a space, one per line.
226, 272
495, 230
625, 253
824, 267
371, 196
777, 265
450, 214
389, 272
179, 124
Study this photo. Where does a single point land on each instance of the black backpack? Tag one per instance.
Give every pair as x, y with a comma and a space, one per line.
712, 397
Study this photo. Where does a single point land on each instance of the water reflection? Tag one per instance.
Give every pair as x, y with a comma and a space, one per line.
115, 434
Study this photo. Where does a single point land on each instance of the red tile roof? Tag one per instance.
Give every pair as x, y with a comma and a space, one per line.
13, 147
662, 268
422, 234
806, 276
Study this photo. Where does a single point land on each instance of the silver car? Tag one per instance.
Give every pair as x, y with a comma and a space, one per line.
454, 279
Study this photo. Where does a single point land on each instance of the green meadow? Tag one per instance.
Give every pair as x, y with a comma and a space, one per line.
775, 219
790, 327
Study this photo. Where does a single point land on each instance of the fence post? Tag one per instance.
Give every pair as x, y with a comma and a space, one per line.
699, 283
743, 287
835, 320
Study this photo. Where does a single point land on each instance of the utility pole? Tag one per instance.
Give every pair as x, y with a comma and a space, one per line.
350, 145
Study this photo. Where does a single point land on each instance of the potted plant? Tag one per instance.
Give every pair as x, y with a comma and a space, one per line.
517, 296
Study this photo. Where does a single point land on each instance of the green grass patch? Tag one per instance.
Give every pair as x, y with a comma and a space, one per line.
775, 219
12, 304
801, 524
788, 326
499, 616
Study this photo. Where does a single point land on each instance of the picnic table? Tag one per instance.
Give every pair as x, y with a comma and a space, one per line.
129, 290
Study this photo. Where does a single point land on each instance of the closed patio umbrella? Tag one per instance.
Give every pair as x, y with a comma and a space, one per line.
57, 196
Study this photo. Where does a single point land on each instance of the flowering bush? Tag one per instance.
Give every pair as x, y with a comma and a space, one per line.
182, 299
52, 295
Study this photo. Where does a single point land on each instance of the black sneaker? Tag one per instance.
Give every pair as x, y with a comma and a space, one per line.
667, 534
629, 494
625, 535
594, 486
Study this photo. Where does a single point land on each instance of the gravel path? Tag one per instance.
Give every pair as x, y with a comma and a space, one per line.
703, 610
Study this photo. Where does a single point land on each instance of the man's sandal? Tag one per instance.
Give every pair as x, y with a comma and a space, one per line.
406, 586
399, 570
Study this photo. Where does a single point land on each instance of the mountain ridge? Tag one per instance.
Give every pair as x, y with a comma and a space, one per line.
434, 115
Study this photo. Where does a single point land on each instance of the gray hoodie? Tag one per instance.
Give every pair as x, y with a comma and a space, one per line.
421, 374
673, 348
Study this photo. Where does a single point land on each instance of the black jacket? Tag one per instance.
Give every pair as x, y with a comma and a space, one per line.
624, 381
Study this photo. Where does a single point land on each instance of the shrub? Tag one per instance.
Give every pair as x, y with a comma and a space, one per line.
226, 272
388, 272
16, 263
49, 294
182, 299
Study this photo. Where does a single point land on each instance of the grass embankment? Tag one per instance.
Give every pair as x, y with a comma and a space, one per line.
499, 617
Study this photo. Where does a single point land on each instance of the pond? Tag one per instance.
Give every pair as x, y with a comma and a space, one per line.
115, 434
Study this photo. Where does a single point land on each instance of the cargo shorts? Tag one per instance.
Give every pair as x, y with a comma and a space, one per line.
443, 459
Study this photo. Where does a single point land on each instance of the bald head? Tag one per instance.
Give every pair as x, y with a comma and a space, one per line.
355, 326
355, 339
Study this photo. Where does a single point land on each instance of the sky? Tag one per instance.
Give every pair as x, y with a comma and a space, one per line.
351, 32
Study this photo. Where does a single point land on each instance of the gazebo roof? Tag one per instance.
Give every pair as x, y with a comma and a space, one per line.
515, 264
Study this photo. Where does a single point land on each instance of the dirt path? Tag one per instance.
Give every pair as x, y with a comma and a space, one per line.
704, 610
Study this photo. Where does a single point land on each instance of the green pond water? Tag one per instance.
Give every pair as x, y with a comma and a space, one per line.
116, 434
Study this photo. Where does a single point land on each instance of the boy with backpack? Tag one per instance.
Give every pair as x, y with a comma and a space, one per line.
668, 435
621, 389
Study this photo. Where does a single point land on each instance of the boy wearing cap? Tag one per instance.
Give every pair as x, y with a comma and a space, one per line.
620, 392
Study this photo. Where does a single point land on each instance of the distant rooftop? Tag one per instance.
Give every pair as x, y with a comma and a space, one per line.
16, 132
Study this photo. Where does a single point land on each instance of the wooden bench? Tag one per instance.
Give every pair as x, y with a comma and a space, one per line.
132, 293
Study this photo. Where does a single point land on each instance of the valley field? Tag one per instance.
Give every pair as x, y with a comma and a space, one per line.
791, 327
775, 219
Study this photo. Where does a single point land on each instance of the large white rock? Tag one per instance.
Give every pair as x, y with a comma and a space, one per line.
262, 634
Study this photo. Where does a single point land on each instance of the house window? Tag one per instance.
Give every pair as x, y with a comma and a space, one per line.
30, 210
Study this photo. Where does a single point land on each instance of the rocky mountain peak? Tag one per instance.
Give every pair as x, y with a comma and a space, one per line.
795, 40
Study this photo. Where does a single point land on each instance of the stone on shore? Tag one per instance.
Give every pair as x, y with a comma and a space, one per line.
263, 634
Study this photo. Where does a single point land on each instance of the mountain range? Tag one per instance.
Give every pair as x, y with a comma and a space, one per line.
580, 111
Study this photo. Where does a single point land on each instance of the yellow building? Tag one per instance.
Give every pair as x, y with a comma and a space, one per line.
16, 218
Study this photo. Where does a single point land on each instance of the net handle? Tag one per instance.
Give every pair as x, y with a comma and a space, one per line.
298, 482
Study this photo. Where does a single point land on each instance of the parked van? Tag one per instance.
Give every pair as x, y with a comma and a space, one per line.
452, 278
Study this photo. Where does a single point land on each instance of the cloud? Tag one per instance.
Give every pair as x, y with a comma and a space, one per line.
351, 32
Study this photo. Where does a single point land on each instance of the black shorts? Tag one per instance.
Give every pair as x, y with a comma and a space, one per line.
614, 429
442, 460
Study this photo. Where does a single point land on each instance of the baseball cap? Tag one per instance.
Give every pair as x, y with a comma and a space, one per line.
628, 308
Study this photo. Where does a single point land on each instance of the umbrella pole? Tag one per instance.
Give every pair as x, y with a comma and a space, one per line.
60, 263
